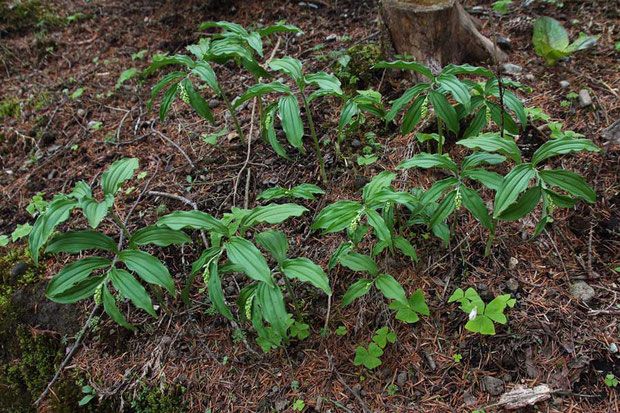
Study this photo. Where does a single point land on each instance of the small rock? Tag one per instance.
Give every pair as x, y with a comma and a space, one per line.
613, 348
503, 43
507, 378
81, 112
564, 84
512, 285
512, 263
331, 37
530, 77
469, 399
582, 292
18, 270
401, 379
280, 405
165, 340
584, 98
612, 133
356, 143
493, 385
214, 103
511, 69
360, 181
230, 290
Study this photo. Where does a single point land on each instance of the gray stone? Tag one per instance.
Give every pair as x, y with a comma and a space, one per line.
585, 99
18, 270
401, 379
613, 348
511, 69
81, 112
493, 385
355, 143
582, 292
214, 103
512, 285
503, 43
612, 133
564, 84
512, 263
331, 38
166, 340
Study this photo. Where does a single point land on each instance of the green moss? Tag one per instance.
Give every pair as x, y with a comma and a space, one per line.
41, 100
155, 400
10, 108
357, 74
19, 15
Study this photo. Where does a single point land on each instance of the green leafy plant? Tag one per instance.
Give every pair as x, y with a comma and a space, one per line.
299, 405
89, 394
354, 111
303, 191
481, 315
287, 106
125, 76
552, 43
501, 6
341, 331
234, 43
558, 133
457, 357
470, 98
370, 357
611, 380
231, 251
84, 278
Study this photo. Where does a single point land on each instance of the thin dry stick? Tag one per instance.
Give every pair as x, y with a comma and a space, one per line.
173, 143
555, 247
344, 383
248, 152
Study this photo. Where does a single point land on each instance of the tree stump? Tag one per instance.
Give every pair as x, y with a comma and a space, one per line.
437, 33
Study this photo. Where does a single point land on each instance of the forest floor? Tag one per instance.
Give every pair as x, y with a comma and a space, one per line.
52, 137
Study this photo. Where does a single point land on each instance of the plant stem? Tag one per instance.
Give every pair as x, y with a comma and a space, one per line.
289, 288
440, 133
234, 117
487, 249
317, 147
121, 224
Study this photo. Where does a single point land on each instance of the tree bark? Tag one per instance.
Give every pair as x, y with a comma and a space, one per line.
437, 33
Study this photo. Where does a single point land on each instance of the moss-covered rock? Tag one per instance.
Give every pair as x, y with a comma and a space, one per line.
357, 73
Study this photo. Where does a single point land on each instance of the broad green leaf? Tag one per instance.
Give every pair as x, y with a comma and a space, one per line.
74, 273
272, 214
417, 303
337, 216
119, 172
491, 180
200, 50
78, 291
515, 182
288, 65
306, 271
149, 268
288, 110
562, 146
229, 48
131, 289
21, 231
426, 160
494, 143
126, 75
495, 309
306, 191
406, 248
550, 39
161, 61
165, 81
349, 110
403, 65
376, 221
57, 212
243, 253
563, 201
94, 211
167, 101
356, 290
474, 204
391, 288
369, 358
514, 104
109, 305
268, 128
479, 158
205, 72
496, 115
523, 206
457, 89
571, 182
438, 188
216, 296
328, 84
162, 237
359, 262
466, 69
444, 110
77, 241
259, 90
445, 208
477, 123
81, 190
378, 183
192, 219
278, 28
413, 116
271, 302
197, 101
405, 98
275, 242
224, 25
481, 324
343, 249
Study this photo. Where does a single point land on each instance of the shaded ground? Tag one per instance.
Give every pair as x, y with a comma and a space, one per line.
47, 145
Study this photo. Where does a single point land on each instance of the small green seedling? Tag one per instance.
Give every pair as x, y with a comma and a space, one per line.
370, 357
341, 331
457, 357
89, 394
481, 316
611, 380
551, 40
299, 405
303, 191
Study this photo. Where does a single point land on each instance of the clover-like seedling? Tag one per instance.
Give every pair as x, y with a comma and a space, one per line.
383, 336
611, 380
368, 357
481, 315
